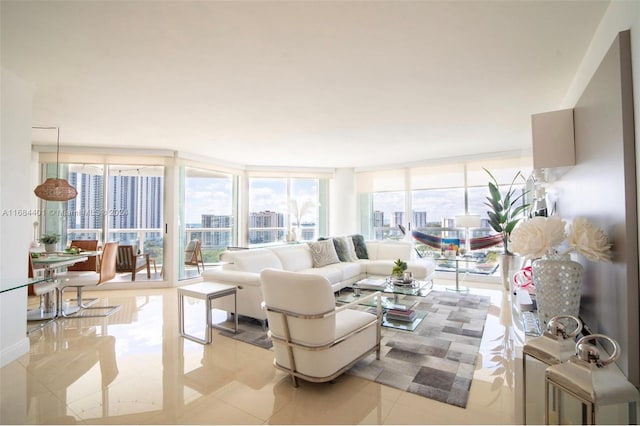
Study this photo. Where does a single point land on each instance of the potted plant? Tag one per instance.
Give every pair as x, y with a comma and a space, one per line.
399, 266
504, 214
50, 241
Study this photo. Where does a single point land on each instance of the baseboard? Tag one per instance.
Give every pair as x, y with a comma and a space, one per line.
14, 351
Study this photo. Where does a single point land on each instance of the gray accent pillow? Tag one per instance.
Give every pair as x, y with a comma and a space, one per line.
323, 253
341, 249
361, 247
351, 249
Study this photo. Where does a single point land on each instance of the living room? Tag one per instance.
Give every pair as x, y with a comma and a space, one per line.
28, 101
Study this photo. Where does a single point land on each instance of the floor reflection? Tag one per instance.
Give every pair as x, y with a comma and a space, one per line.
134, 368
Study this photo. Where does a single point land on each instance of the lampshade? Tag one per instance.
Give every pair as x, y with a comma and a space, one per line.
55, 189
468, 221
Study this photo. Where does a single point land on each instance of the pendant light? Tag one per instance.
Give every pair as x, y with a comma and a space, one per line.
55, 189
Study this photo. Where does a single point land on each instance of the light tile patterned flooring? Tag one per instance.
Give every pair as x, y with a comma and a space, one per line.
134, 368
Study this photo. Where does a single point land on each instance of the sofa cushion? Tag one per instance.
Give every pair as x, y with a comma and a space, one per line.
390, 250
341, 249
323, 253
294, 257
254, 260
351, 249
360, 246
331, 272
351, 270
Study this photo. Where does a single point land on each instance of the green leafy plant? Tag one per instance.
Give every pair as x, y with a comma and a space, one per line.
398, 268
506, 209
50, 238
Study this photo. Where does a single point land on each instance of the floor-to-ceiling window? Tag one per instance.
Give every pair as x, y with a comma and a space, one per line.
134, 207
85, 220
283, 209
209, 215
428, 198
121, 203
389, 214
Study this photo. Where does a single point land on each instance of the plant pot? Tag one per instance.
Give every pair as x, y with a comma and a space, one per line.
509, 265
50, 248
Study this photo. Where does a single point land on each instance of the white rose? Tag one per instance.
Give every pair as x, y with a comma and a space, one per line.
537, 236
589, 240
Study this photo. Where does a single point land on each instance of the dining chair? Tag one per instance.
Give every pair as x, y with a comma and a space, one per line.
46, 306
91, 264
82, 280
128, 260
193, 254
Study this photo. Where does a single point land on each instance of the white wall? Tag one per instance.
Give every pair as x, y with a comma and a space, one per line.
343, 208
621, 15
16, 191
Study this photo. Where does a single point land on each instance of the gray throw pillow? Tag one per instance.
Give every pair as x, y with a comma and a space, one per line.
341, 249
351, 249
361, 247
323, 253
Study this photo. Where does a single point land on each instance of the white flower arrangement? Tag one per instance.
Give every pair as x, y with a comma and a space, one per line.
540, 235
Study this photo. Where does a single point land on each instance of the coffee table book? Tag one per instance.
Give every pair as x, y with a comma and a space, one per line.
401, 315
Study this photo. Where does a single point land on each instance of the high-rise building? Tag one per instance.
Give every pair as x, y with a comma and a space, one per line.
419, 220
134, 202
398, 219
266, 219
220, 235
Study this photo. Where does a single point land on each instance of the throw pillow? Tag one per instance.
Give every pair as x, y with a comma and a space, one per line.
351, 249
323, 253
360, 246
341, 249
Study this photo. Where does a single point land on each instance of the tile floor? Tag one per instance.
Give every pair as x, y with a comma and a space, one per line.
134, 368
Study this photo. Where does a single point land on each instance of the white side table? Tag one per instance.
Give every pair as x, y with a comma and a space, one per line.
206, 291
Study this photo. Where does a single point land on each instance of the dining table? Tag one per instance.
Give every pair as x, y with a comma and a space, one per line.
50, 264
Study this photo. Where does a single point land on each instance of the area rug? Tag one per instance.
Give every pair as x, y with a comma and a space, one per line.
437, 359
249, 331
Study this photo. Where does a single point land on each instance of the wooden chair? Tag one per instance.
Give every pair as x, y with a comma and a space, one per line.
89, 265
129, 261
193, 254
81, 280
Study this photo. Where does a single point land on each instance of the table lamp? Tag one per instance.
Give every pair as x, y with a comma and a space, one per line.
467, 221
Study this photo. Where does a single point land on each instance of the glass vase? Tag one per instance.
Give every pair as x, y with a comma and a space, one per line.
558, 282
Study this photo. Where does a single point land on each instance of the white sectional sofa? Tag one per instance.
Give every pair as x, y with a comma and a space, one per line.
242, 268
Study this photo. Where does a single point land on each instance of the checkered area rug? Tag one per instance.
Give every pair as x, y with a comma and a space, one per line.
437, 359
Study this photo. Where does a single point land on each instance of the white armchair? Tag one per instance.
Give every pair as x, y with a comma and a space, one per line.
312, 339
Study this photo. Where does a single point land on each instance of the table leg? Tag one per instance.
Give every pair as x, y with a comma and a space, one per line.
457, 287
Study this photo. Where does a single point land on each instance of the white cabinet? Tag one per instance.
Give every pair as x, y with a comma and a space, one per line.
553, 139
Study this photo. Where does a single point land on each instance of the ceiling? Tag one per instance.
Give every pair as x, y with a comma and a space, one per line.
302, 83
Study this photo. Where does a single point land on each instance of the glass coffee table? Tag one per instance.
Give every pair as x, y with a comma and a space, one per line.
394, 298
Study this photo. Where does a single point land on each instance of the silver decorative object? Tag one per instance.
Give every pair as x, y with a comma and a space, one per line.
591, 381
558, 281
555, 346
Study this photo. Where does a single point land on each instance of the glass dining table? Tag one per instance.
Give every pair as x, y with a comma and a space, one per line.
50, 263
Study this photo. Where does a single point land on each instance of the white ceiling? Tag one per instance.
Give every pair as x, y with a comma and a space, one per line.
305, 83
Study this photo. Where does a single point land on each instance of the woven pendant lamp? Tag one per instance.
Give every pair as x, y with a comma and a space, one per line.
55, 189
